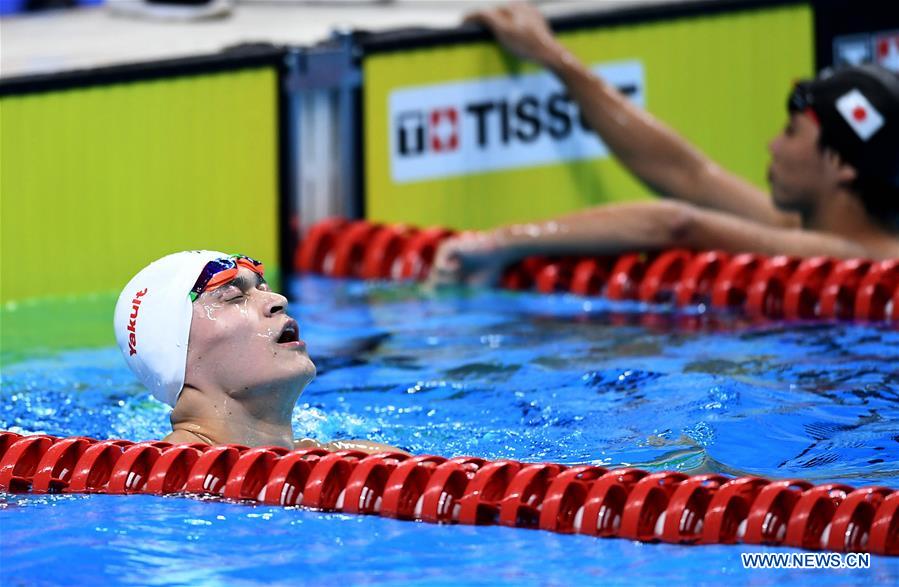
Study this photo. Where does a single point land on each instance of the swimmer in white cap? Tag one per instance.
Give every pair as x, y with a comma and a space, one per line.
205, 333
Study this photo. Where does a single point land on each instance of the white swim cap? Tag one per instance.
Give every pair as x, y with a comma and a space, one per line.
152, 320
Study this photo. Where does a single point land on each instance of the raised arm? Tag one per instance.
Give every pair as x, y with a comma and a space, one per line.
652, 151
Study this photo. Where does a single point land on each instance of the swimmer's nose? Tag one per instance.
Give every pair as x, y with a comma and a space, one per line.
774, 143
277, 304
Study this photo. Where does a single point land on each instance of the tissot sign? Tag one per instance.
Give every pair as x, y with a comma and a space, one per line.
495, 123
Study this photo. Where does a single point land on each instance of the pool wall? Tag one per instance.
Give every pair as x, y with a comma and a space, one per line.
517, 136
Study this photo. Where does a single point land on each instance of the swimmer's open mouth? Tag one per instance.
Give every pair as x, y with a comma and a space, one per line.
290, 333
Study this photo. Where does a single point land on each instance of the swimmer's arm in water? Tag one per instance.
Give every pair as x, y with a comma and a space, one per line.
367, 446
480, 257
652, 151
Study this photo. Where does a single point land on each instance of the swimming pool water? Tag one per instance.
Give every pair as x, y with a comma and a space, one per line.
494, 374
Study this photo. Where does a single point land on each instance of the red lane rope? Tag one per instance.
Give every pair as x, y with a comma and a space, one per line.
627, 503
779, 287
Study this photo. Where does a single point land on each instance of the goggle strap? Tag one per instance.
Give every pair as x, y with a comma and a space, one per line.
252, 265
221, 278
813, 115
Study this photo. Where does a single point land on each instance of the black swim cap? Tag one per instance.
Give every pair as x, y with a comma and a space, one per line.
858, 111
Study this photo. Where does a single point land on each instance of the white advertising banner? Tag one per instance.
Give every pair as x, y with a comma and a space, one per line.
495, 123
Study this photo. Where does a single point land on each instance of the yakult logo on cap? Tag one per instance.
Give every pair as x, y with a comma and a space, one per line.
132, 322
488, 124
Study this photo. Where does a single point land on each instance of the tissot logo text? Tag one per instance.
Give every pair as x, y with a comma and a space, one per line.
495, 123
435, 131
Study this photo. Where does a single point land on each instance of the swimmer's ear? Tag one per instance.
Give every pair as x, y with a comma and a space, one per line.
845, 173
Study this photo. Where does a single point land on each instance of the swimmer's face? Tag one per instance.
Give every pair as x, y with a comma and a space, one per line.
801, 174
243, 341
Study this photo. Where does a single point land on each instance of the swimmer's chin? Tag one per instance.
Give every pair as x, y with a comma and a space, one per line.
311, 371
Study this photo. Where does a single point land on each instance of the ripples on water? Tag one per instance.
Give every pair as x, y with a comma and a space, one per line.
539, 378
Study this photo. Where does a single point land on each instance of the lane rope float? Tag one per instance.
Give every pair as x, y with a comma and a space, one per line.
778, 287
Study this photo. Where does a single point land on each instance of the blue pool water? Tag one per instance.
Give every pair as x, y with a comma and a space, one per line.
492, 374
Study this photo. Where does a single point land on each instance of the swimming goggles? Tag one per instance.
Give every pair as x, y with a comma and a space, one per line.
218, 272
802, 100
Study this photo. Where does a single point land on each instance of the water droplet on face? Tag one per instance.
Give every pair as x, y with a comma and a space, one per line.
269, 333
210, 310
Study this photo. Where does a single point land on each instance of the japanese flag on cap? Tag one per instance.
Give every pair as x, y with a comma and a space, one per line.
859, 114
152, 321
